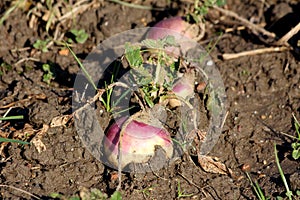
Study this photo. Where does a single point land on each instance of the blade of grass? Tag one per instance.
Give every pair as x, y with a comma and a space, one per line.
12, 117
10, 10
13, 140
124, 110
259, 193
297, 125
288, 193
87, 75
120, 98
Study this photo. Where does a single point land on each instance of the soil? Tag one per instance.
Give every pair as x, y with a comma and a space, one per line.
263, 91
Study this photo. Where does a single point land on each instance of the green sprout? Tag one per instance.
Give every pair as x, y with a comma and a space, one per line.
49, 74
42, 45
80, 35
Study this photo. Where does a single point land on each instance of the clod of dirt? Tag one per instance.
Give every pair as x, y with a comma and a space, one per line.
42, 113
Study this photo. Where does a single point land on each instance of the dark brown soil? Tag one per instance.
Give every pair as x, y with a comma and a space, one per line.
263, 91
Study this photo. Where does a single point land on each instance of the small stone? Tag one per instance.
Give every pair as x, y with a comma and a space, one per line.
263, 116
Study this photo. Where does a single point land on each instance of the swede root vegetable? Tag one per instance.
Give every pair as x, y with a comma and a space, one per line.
181, 30
183, 88
177, 27
137, 136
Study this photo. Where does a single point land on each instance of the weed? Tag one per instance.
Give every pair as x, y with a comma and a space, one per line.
116, 196
108, 91
288, 193
296, 145
257, 189
201, 8
146, 191
48, 73
80, 35
180, 193
42, 45
4, 67
153, 82
87, 75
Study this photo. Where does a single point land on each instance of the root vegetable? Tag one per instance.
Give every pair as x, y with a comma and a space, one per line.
183, 88
139, 136
176, 26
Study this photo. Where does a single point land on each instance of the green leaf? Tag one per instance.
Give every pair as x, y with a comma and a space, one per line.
116, 196
169, 40
148, 100
49, 75
296, 154
97, 194
80, 35
153, 44
74, 198
296, 150
133, 55
55, 195
175, 66
46, 67
221, 2
41, 45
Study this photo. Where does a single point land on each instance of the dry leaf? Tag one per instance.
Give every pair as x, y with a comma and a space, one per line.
211, 165
37, 142
39, 145
60, 120
26, 132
